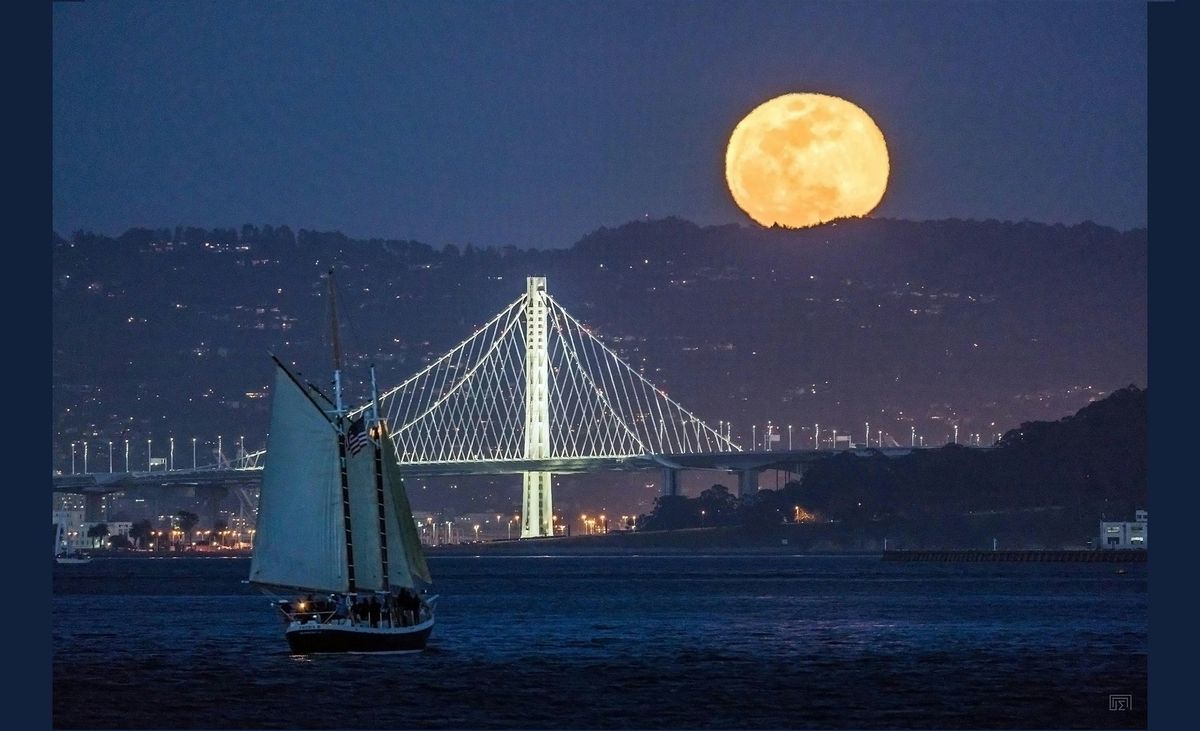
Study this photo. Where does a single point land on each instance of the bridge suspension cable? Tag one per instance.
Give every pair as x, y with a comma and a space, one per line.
468, 405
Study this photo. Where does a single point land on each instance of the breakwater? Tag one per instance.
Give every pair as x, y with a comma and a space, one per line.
1135, 556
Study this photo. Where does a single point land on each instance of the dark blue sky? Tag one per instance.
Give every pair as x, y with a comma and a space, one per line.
534, 123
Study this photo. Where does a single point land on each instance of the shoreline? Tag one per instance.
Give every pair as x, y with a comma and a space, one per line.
789, 539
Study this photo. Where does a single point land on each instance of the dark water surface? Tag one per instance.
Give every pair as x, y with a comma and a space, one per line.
620, 642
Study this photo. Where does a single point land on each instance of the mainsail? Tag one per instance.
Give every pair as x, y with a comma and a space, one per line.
409, 541
405, 560
300, 539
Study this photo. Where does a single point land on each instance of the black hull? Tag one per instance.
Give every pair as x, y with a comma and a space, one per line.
309, 638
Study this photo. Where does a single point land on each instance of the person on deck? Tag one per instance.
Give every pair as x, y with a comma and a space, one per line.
374, 611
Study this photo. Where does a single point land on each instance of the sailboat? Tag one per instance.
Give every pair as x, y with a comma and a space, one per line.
335, 528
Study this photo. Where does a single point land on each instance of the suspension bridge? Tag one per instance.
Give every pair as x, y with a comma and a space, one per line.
534, 392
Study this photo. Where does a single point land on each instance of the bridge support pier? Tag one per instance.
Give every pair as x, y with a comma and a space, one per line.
537, 519
670, 482
93, 508
747, 482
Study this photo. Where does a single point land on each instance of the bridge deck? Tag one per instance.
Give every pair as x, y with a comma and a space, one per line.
720, 461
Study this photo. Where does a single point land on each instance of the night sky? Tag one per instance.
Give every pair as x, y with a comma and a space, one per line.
532, 124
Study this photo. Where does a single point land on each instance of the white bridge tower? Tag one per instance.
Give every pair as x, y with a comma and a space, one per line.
536, 518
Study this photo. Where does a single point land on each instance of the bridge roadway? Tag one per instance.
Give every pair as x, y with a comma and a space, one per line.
745, 464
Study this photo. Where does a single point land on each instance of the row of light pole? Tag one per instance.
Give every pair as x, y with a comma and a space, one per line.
170, 460
771, 436
595, 524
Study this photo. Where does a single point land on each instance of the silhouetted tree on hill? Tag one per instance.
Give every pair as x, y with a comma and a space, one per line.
1089, 466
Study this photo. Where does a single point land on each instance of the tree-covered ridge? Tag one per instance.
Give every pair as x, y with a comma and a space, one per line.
161, 333
1084, 468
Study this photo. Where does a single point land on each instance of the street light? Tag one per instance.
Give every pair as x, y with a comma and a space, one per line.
193, 454
753, 437
867, 436
110, 456
72, 458
148, 463
789, 437
956, 433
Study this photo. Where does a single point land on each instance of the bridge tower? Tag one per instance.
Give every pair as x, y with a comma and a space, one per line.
537, 508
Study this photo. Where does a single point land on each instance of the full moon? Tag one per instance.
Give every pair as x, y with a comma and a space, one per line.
803, 159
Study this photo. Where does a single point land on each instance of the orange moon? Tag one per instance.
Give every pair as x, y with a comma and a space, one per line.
803, 159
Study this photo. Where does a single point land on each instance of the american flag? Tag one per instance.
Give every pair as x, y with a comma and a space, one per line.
357, 437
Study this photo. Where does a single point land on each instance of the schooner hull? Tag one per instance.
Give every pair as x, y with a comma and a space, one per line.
309, 638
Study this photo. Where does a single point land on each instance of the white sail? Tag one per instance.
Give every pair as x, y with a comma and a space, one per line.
408, 558
300, 539
404, 557
364, 518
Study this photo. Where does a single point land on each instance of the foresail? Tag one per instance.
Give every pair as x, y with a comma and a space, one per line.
300, 536
402, 530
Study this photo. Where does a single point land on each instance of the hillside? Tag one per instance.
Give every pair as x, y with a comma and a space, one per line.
903, 324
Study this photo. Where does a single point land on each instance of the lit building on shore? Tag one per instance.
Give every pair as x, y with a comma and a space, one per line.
1116, 535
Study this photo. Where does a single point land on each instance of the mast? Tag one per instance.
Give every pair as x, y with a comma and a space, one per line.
337, 349
339, 423
376, 432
